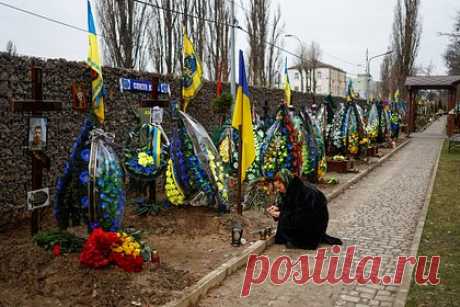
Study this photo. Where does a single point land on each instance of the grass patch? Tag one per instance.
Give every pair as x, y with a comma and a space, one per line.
441, 236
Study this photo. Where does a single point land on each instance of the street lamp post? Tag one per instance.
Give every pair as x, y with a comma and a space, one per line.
368, 69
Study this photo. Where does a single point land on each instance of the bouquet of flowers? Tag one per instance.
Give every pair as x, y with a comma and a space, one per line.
106, 247
58, 241
282, 148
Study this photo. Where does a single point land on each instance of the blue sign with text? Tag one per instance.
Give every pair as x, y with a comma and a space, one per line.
132, 85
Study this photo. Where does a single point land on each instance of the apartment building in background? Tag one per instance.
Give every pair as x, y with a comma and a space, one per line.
329, 79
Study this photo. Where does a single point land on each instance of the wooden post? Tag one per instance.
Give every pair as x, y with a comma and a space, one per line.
450, 117
37, 169
39, 160
156, 101
410, 117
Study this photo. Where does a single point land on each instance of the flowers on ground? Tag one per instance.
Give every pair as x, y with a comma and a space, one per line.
105, 247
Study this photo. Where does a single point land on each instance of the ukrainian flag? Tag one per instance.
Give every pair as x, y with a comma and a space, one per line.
192, 72
242, 116
94, 62
287, 85
396, 96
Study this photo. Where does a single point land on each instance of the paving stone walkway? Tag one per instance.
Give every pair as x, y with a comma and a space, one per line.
378, 215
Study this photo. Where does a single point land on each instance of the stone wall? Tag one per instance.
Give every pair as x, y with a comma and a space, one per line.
63, 127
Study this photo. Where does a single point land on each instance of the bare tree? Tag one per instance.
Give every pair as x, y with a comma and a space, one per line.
309, 62
424, 70
156, 38
197, 26
301, 64
314, 55
165, 36
257, 25
452, 54
406, 40
218, 42
385, 76
124, 27
11, 48
273, 53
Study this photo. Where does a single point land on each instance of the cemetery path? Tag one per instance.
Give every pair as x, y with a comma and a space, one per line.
378, 215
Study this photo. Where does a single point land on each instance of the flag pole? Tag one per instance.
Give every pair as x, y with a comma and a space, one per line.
232, 52
240, 169
240, 160
184, 32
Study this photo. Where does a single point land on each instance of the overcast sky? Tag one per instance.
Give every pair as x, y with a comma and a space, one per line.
344, 29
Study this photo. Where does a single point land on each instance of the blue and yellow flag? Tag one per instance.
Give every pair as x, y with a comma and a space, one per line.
192, 73
156, 146
287, 85
242, 116
94, 62
396, 96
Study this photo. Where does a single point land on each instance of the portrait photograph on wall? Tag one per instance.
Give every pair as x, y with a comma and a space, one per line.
37, 133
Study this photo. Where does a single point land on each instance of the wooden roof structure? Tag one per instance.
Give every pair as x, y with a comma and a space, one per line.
432, 82
416, 83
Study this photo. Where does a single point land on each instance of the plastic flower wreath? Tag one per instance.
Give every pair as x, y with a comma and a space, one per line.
310, 149
174, 193
108, 188
196, 164
351, 132
282, 148
379, 122
148, 160
71, 187
227, 144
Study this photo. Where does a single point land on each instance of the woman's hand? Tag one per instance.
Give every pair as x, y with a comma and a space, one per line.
273, 211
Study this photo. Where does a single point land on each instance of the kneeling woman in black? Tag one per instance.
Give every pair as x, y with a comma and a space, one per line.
301, 213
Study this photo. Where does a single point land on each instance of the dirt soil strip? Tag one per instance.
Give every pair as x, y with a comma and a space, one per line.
192, 295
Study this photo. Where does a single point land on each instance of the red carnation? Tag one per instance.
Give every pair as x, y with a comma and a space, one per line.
128, 263
98, 248
57, 249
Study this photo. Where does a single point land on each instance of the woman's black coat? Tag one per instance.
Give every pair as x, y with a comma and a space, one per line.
303, 217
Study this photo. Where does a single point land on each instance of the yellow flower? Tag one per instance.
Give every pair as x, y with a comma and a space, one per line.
117, 249
173, 192
144, 159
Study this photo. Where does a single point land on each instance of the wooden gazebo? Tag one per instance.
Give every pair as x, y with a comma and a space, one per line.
414, 84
